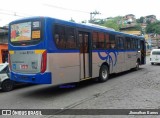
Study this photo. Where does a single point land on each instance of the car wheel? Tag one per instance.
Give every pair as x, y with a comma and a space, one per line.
103, 73
152, 63
7, 85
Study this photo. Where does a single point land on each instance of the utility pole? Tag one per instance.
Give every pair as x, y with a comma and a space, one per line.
92, 15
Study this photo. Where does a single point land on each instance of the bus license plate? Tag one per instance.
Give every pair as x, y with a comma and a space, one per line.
23, 66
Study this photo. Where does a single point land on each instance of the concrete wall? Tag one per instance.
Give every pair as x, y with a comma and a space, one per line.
2, 47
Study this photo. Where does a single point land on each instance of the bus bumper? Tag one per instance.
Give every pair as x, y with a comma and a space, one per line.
40, 78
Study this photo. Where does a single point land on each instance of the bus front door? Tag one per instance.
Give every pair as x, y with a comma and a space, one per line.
85, 55
143, 52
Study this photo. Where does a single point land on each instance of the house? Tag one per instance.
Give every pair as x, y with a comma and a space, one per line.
3, 44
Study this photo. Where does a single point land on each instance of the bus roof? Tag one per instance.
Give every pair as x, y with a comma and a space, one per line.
81, 25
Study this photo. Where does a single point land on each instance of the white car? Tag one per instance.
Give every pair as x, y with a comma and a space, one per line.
5, 83
155, 56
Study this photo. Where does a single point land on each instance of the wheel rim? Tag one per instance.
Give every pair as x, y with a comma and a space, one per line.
104, 74
137, 65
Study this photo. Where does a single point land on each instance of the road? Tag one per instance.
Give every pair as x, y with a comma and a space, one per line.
128, 90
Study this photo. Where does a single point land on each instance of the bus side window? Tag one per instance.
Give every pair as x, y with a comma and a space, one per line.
107, 41
71, 39
119, 43
112, 41
101, 40
59, 36
95, 39
56, 37
139, 46
127, 43
62, 42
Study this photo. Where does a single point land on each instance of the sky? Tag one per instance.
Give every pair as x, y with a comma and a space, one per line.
78, 10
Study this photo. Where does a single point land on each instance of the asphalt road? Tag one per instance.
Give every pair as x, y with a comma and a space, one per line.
128, 90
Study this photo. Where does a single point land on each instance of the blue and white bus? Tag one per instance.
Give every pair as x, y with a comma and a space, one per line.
44, 50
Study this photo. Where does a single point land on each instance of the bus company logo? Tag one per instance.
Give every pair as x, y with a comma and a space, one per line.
6, 112
108, 56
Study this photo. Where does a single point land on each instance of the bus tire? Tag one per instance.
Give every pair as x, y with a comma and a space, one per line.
7, 85
152, 63
103, 73
137, 65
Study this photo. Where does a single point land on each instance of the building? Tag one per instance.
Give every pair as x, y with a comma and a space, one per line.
130, 18
3, 44
150, 18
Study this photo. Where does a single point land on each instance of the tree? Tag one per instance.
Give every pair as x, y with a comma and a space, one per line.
113, 23
140, 20
153, 28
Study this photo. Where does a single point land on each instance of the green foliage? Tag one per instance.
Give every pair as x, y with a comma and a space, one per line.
153, 28
148, 22
140, 20
113, 23
137, 27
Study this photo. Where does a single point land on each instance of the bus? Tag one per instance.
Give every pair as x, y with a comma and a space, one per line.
45, 50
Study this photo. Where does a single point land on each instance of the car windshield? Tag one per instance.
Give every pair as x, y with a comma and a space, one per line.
156, 53
1, 66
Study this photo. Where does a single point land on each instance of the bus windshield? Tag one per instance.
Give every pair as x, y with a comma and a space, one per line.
25, 33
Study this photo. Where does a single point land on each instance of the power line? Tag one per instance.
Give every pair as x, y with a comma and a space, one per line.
14, 13
74, 10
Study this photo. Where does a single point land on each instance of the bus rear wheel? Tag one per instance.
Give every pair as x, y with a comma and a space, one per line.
103, 73
7, 85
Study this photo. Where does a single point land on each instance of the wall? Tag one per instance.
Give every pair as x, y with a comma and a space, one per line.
2, 47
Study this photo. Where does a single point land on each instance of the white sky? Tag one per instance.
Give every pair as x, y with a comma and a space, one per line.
79, 9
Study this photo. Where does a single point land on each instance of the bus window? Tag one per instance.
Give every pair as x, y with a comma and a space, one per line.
107, 41
71, 40
119, 43
112, 41
128, 43
26, 33
95, 39
98, 40
59, 36
133, 43
101, 40
136, 43
139, 45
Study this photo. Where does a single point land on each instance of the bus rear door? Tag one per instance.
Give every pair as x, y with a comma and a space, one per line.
85, 55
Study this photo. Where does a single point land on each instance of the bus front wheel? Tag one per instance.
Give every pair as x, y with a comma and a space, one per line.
137, 65
103, 73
